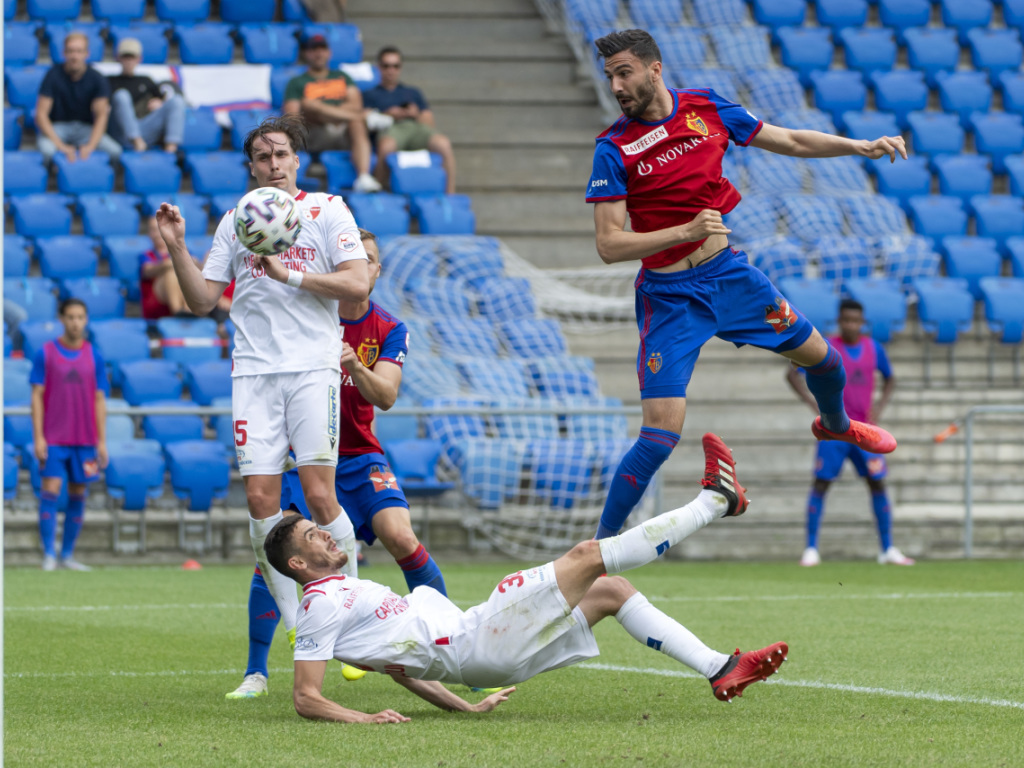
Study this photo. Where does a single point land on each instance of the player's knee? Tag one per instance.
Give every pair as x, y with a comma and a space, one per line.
610, 594
320, 499
400, 543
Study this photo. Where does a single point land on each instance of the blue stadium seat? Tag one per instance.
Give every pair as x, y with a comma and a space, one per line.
780, 13
215, 173
1012, 86
43, 215
18, 433
964, 93
533, 337
208, 381
721, 81
868, 49
805, 49
416, 173
104, 297
945, 307
243, 121
560, 471
490, 470
273, 44
171, 428
932, 50
843, 258
238, 11
382, 214
562, 377
971, 258
146, 173
33, 294
35, 333
964, 176
742, 48
505, 298
772, 174
65, 257
206, 43
199, 474
202, 131
682, 48
965, 15
279, 77
54, 10
1013, 13
901, 15
445, 215
1015, 169
134, 478
11, 470
346, 42
840, 175
93, 175
414, 463
938, 215
817, 300
838, 92
463, 336
935, 133
341, 174
119, 343
16, 255
1015, 247
655, 13
885, 308
147, 381
839, 14
183, 10
495, 378
523, 426
900, 92
193, 208
426, 376
754, 219
10, 7
189, 340
906, 258
1004, 307
441, 297
294, 10
120, 426
999, 217
102, 215
906, 180
998, 134
13, 117
57, 31
995, 50
16, 385
21, 46
23, 87
118, 11
785, 257
24, 173
809, 217
221, 204
712, 13
870, 125
122, 253
153, 37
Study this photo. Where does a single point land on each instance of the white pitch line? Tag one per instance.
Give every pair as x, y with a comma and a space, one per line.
820, 684
115, 673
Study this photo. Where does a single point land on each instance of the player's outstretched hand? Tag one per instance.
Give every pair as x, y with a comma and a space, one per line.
887, 145
706, 223
274, 268
492, 701
171, 223
388, 716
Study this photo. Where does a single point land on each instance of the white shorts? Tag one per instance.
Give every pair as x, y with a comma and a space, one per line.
274, 411
526, 627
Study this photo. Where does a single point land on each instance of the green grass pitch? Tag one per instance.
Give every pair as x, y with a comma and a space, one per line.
887, 667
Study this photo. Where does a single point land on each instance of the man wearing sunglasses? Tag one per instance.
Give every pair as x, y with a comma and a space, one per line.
142, 115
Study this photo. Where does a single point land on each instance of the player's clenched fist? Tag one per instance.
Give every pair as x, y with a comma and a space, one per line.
705, 224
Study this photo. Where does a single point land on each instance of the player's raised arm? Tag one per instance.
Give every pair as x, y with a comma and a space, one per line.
802, 143
615, 244
313, 705
200, 294
442, 698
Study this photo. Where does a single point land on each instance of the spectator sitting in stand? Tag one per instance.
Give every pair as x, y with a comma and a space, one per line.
158, 284
140, 114
332, 107
413, 126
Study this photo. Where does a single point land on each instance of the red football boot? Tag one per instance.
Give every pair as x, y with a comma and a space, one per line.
867, 436
720, 474
742, 669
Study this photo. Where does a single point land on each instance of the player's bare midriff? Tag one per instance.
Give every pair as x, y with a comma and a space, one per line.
709, 249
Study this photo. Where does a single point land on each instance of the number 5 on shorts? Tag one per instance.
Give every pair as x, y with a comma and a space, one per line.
240, 434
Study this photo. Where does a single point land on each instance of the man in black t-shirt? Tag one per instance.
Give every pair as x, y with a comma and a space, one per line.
73, 106
141, 115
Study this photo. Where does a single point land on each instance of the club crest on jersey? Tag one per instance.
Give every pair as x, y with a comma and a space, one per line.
311, 213
383, 478
780, 317
695, 123
654, 362
368, 352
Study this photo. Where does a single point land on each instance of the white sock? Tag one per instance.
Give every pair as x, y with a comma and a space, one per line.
653, 628
281, 587
344, 536
648, 541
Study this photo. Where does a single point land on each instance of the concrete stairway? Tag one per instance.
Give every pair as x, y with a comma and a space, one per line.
507, 94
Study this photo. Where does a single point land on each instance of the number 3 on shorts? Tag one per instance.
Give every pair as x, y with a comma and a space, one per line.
241, 436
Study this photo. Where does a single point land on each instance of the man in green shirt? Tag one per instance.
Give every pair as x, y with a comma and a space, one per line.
332, 107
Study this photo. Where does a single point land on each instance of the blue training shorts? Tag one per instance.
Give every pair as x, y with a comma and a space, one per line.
832, 453
678, 312
76, 462
364, 484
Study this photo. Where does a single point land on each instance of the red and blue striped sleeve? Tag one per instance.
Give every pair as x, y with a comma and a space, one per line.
396, 344
608, 179
741, 124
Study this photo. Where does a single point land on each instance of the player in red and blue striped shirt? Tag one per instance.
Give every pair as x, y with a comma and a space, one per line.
660, 165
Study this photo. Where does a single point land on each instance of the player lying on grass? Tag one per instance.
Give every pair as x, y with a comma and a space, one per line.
534, 621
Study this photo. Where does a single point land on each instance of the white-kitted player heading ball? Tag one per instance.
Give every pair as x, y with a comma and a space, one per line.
267, 221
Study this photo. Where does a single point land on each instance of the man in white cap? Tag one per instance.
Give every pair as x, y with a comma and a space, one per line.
142, 114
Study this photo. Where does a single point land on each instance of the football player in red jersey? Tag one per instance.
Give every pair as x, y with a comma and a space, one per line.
660, 165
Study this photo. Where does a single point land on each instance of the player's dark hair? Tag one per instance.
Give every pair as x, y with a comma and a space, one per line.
290, 124
851, 304
637, 41
280, 544
68, 303
389, 49
365, 234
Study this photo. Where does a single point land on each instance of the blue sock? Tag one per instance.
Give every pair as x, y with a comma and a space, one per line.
883, 517
632, 477
48, 522
826, 381
263, 620
73, 518
420, 569
815, 511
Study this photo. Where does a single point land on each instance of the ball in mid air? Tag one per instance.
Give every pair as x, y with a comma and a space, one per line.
267, 221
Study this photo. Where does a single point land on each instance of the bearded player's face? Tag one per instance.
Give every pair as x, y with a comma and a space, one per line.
632, 83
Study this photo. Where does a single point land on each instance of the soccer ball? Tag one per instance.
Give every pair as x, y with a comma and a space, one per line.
267, 221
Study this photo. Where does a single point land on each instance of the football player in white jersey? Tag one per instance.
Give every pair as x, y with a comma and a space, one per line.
285, 367
534, 621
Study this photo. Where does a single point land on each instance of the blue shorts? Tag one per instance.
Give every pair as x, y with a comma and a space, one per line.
76, 462
678, 312
832, 454
364, 484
